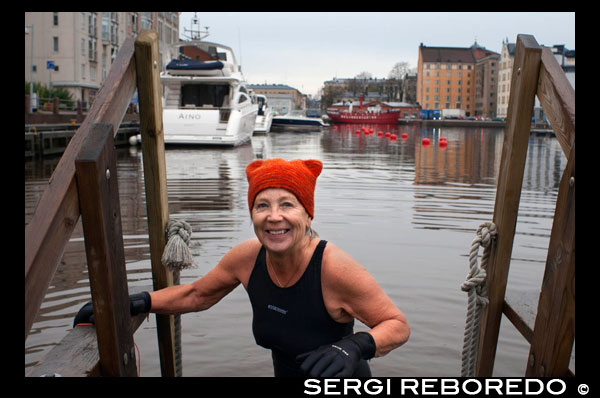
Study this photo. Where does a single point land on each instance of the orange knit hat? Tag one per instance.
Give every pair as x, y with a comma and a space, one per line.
297, 176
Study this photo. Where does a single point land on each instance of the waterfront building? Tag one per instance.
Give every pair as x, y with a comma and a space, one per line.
486, 81
456, 78
505, 73
371, 89
565, 58
282, 98
75, 50
409, 91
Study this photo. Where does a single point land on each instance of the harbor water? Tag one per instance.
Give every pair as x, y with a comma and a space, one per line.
405, 211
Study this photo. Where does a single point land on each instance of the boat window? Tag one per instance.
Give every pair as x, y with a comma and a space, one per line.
261, 102
204, 95
243, 98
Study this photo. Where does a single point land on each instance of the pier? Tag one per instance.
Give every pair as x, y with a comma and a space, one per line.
52, 139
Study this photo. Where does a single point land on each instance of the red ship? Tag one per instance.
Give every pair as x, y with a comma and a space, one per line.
363, 116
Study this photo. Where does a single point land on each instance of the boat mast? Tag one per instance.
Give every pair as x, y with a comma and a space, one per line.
194, 32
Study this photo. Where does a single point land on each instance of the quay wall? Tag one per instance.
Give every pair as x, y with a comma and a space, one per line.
469, 123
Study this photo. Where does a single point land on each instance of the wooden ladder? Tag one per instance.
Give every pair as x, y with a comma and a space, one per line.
551, 335
85, 183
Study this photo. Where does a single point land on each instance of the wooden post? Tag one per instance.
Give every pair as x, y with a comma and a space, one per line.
508, 194
97, 185
155, 175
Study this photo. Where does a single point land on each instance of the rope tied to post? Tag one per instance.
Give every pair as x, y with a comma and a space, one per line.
477, 295
177, 255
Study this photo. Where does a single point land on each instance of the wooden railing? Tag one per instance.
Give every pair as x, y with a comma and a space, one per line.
85, 182
551, 335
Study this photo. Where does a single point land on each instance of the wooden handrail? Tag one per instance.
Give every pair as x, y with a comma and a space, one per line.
557, 97
57, 212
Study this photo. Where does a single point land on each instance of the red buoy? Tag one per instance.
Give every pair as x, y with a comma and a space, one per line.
357, 131
443, 139
393, 137
425, 141
404, 136
443, 144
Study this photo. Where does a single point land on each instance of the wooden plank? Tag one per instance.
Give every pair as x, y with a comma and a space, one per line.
520, 309
508, 194
98, 188
554, 329
557, 97
76, 355
57, 212
155, 177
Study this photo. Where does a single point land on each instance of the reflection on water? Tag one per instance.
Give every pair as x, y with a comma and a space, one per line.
406, 211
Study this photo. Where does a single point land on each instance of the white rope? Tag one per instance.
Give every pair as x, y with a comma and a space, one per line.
176, 255
477, 299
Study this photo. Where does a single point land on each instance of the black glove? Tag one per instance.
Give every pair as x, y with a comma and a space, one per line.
138, 303
339, 359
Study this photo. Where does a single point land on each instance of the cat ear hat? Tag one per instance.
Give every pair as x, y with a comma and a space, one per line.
297, 176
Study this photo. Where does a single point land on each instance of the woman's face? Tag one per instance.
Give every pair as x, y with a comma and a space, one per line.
279, 219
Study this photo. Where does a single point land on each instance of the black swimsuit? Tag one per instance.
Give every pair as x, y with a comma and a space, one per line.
293, 320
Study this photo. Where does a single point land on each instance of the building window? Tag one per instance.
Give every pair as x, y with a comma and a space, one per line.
55, 43
146, 20
105, 26
55, 19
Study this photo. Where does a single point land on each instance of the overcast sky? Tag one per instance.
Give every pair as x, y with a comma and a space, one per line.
304, 50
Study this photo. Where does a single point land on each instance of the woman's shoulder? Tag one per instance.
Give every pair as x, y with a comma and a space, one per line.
245, 252
338, 261
240, 259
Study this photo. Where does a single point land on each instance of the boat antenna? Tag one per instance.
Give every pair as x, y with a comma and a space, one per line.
240, 46
194, 32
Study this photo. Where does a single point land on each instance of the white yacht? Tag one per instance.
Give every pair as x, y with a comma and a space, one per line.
265, 115
205, 96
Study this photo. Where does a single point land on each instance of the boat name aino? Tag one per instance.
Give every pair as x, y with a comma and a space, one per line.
188, 116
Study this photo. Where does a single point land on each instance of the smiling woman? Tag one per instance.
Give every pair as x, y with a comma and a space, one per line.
305, 292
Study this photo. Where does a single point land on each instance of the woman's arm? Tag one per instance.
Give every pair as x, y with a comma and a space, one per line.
350, 291
234, 268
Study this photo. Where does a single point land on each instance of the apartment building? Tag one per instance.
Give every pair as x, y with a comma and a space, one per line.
486, 81
564, 57
446, 78
75, 50
507, 57
457, 78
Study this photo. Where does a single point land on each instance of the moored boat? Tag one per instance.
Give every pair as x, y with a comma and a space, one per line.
205, 96
372, 114
264, 118
296, 120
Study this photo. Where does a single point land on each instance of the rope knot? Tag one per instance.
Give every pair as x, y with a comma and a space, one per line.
475, 286
176, 255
